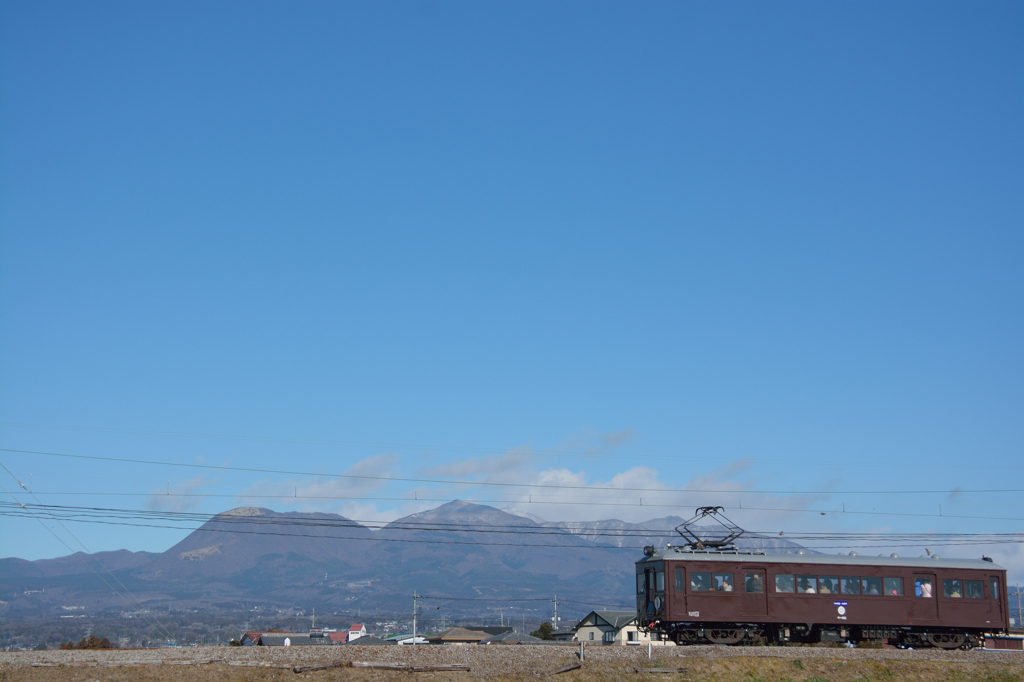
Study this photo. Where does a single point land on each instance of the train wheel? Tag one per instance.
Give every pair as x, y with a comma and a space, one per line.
913, 639
946, 640
725, 636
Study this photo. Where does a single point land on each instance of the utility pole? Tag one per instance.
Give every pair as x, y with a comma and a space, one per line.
1020, 623
554, 618
415, 605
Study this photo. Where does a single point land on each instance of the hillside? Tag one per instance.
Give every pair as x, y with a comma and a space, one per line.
468, 557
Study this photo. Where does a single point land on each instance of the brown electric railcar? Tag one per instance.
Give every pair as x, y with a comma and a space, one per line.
729, 596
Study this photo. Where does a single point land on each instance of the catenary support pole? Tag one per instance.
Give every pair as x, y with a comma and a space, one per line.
414, 598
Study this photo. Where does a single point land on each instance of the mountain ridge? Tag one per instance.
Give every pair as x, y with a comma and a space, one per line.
469, 557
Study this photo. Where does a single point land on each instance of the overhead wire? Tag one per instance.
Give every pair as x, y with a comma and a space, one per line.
567, 451
152, 621
531, 502
306, 495
526, 526
152, 519
542, 486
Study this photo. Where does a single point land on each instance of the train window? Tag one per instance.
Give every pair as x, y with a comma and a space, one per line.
952, 589
753, 583
679, 579
894, 587
639, 583
973, 589
650, 580
828, 584
806, 584
850, 584
871, 586
923, 587
700, 582
993, 588
723, 582
784, 583
661, 581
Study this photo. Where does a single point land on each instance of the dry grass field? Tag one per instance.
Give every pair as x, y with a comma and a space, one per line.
724, 664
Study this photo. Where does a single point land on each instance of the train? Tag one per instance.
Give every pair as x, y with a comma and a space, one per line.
714, 593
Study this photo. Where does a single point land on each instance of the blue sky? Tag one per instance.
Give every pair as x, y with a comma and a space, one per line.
702, 246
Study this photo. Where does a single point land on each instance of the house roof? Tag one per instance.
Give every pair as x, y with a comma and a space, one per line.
492, 629
339, 637
356, 626
615, 619
253, 636
294, 639
460, 635
512, 638
369, 639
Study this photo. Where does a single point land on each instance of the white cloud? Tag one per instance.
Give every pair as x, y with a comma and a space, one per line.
591, 500
176, 498
591, 443
485, 468
326, 493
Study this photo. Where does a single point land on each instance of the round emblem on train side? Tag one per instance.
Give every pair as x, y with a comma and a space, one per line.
841, 610
657, 602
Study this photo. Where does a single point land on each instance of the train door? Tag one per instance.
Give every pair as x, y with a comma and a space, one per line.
649, 591
753, 594
676, 607
924, 605
654, 591
995, 600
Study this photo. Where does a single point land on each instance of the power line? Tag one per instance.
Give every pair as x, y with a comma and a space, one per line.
525, 526
588, 453
314, 486
153, 622
542, 501
148, 519
545, 486
476, 543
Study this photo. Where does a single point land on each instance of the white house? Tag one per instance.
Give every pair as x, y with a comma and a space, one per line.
613, 627
356, 630
409, 639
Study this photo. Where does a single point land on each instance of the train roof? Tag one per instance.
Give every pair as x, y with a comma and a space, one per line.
801, 556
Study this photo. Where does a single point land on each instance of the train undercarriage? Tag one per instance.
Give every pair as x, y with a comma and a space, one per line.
755, 634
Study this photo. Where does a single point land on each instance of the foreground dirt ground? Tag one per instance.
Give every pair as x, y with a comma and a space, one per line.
725, 664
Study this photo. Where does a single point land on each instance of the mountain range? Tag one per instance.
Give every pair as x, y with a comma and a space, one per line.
466, 558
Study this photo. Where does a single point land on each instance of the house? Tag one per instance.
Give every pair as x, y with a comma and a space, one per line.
564, 635
368, 640
355, 631
512, 638
492, 629
293, 639
407, 638
613, 627
459, 636
251, 638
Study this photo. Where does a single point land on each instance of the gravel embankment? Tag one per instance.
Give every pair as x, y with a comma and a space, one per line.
490, 661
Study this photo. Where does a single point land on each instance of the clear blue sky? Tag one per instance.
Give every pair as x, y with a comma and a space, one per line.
757, 246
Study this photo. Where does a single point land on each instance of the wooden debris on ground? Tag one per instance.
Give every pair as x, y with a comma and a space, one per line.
251, 664
567, 669
320, 666
374, 665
